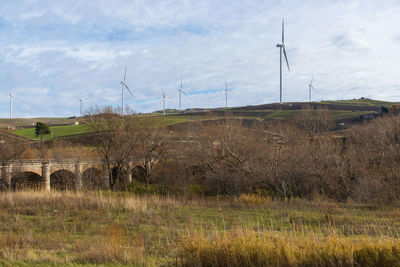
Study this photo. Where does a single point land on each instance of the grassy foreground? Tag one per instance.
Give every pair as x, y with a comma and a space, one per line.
121, 229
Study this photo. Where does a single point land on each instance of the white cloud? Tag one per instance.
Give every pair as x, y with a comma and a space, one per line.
59, 51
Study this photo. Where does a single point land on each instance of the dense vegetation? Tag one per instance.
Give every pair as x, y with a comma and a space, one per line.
280, 160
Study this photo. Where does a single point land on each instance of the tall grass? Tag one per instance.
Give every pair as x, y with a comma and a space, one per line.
109, 228
249, 248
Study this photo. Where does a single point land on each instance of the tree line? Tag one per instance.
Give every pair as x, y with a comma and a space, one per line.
283, 159
297, 158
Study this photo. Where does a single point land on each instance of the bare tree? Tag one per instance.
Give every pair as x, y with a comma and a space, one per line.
119, 141
152, 147
10, 150
128, 139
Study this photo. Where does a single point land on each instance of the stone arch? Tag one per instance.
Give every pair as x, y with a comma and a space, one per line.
63, 180
93, 178
26, 180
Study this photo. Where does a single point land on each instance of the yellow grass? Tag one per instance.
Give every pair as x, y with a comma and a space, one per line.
249, 248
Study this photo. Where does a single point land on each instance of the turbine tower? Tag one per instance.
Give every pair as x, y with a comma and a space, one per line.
282, 49
123, 85
310, 86
180, 96
11, 98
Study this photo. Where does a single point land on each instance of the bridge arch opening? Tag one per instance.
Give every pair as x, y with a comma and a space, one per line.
138, 173
63, 180
92, 178
26, 180
119, 177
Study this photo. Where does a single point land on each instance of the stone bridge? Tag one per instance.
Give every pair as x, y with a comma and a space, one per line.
72, 174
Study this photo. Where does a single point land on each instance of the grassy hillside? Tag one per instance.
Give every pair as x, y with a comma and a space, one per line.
341, 110
360, 102
56, 131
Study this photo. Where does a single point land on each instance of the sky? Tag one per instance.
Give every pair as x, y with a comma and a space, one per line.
53, 53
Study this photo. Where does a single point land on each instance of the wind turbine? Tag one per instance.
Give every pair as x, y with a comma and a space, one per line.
164, 98
81, 106
11, 98
310, 86
180, 96
226, 94
282, 49
123, 85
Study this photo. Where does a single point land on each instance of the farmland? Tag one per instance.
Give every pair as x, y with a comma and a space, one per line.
348, 111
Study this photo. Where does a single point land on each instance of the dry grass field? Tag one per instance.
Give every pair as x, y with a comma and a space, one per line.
122, 229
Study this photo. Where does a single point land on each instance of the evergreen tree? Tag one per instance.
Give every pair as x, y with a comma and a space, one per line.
41, 129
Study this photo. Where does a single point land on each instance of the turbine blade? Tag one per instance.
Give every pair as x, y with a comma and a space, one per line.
163, 94
287, 62
18, 99
226, 85
125, 72
126, 86
312, 80
184, 93
313, 88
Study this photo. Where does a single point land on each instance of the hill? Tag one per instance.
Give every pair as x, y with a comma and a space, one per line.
343, 111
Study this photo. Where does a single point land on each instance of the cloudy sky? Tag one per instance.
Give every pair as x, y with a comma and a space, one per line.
55, 52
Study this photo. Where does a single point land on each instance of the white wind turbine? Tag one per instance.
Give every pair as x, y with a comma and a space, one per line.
180, 90
310, 86
226, 94
164, 99
282, 49
123, 85
81, 100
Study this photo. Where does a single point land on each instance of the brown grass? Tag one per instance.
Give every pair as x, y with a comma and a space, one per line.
109, 228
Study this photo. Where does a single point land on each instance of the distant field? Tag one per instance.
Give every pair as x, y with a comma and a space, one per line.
359, 102
18, 122
160, 120
267, 111
56, 131
168, 120
67, 130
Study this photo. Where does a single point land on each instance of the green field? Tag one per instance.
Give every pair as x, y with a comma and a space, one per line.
67, 130
56, 131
